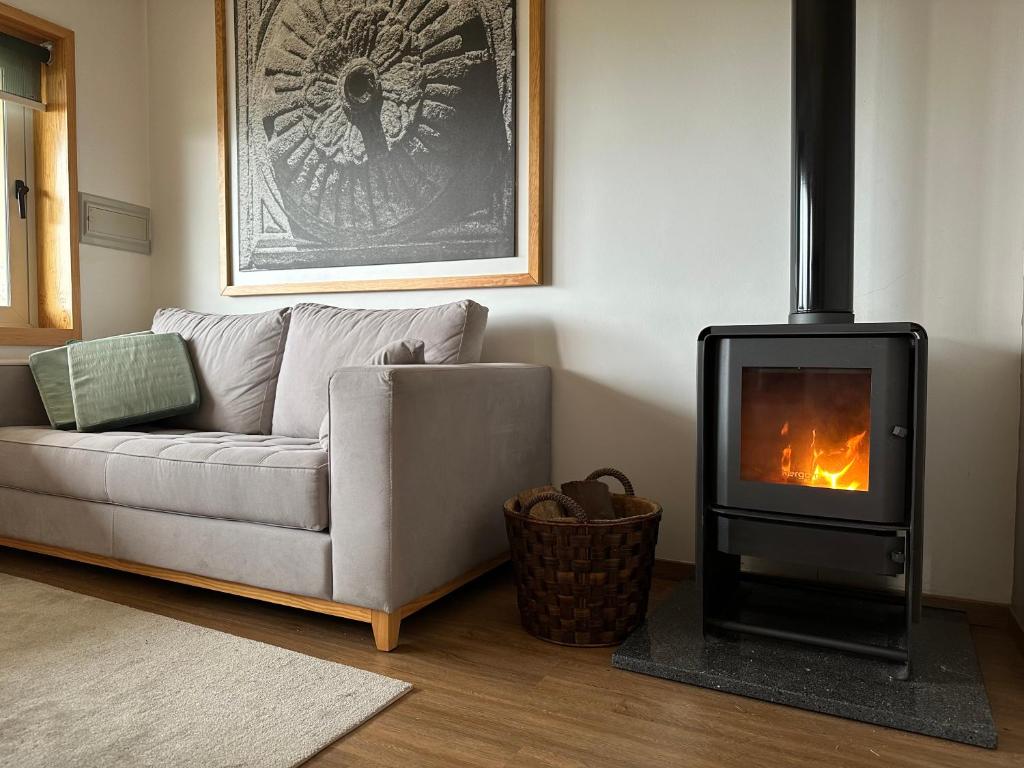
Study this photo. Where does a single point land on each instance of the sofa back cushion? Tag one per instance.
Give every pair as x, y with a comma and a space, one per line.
404, 352
237, 359
323, 339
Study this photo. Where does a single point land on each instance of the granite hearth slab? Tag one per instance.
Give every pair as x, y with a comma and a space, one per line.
945, 696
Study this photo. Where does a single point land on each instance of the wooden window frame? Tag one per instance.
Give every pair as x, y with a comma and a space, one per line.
56, 188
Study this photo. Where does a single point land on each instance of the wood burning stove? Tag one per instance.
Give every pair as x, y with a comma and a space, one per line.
811, 434
811, 448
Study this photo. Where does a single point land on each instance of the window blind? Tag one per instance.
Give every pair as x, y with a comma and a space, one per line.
21, 71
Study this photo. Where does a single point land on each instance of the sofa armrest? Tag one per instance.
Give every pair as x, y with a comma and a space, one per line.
20, 404
421, 459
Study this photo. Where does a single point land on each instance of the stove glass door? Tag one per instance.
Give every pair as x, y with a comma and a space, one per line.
806, 426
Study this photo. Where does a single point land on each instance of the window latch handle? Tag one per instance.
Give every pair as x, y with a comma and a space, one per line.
20, 191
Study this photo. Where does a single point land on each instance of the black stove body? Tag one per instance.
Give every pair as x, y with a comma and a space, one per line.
811, 434
811, 452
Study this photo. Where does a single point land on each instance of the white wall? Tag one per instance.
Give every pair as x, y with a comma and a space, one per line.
668, 143
940, 235
113, 150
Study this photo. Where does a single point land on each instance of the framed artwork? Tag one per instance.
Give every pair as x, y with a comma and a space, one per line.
376, 145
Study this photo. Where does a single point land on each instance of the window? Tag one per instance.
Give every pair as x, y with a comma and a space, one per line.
39, 287
17, 240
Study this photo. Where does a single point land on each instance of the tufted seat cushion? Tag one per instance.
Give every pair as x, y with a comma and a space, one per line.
255, 478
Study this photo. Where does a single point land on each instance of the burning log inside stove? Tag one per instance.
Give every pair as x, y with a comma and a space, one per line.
843, 467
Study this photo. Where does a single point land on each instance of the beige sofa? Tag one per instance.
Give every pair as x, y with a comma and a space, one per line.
361, 491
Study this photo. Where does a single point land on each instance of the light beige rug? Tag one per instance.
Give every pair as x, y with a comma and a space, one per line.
84, 682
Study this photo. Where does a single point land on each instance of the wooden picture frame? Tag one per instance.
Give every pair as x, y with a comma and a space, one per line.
529, 173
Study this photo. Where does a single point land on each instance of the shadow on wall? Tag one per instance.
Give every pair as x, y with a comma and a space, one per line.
596, 426
971, 466
526, 341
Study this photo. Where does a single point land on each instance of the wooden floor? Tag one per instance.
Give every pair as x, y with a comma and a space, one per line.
486, 694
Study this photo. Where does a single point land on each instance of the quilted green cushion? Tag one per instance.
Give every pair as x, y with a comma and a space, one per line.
133, 379
50, 370
53, 380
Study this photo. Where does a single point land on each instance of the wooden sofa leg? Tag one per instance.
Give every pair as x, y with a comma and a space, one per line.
385, 629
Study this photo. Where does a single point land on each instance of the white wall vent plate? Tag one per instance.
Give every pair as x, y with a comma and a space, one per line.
113, 224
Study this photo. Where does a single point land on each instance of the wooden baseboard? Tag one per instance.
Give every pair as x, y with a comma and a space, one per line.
673, 570
1016, 628
315, 604
979, 613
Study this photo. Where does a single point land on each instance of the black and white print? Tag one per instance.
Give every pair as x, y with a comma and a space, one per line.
374, 132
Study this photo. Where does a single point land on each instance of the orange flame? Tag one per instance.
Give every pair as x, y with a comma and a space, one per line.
842, 467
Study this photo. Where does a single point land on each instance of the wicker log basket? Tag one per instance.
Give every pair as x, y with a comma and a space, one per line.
582, 581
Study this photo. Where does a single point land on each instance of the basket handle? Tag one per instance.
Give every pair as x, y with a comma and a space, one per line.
562, 499
627, 486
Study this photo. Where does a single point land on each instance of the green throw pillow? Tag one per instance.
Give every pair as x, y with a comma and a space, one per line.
53, 380
128, 380
50, 370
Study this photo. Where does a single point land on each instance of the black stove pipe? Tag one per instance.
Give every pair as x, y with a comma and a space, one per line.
822, 193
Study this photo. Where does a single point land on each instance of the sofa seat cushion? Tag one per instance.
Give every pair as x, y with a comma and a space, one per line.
253, 478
